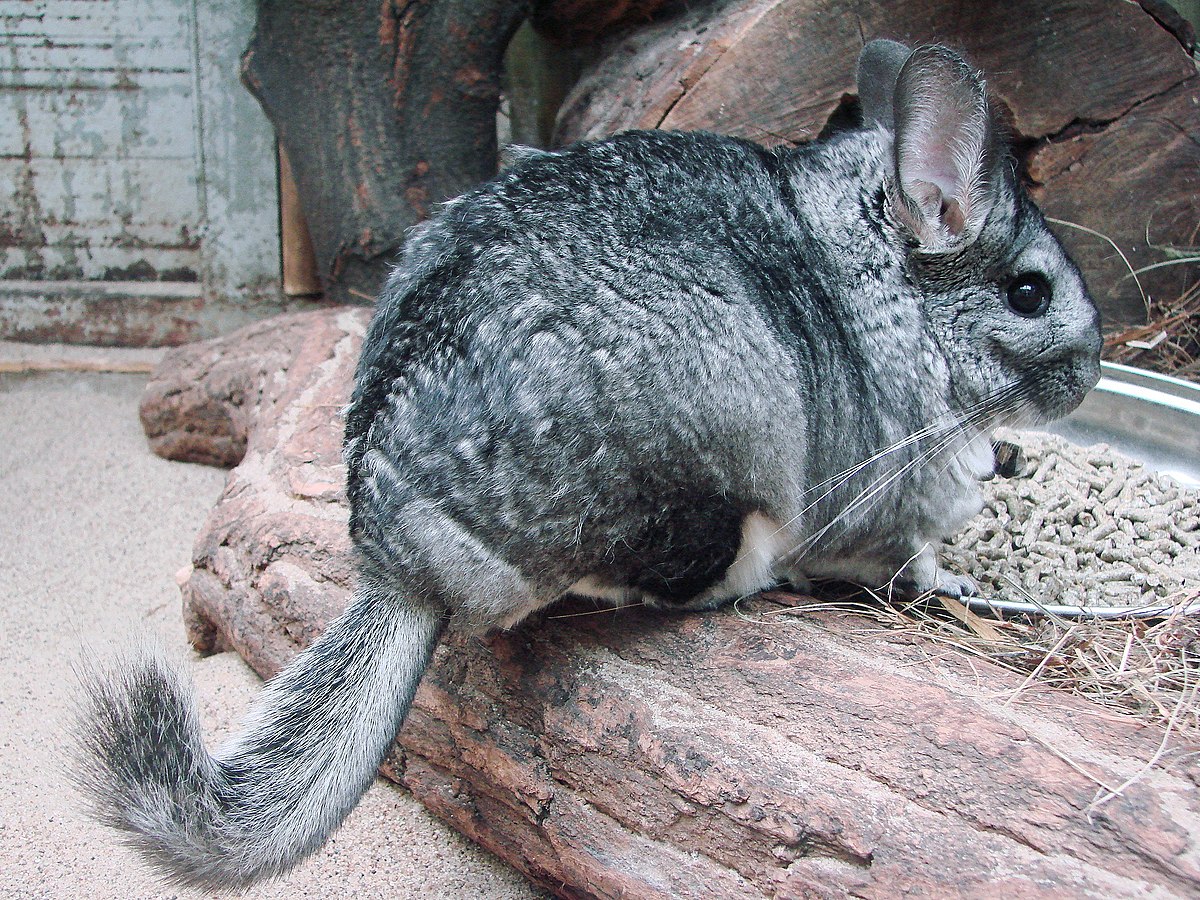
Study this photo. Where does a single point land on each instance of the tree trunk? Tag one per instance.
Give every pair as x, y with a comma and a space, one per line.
384, 109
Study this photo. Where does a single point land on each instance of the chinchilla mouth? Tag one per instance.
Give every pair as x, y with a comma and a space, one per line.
1055, 392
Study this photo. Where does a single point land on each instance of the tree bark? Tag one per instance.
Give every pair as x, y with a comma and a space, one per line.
748, 752
384, 109
583, 22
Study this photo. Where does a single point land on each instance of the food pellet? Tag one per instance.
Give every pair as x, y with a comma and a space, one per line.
1082, 526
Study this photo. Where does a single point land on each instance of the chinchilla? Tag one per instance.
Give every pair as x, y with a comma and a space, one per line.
662, 368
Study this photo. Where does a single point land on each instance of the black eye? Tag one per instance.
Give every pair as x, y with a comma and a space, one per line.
1029, 295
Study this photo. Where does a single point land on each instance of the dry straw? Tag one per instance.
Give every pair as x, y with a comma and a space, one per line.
1169, 341
1146, 668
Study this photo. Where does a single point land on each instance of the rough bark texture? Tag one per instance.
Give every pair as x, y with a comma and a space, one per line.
581, 22
743, 753
384, 109
1105, 103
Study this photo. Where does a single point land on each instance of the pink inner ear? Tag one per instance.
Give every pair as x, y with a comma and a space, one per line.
939, 153
953, 216
936, 206
942, 140
940, 172
928, 196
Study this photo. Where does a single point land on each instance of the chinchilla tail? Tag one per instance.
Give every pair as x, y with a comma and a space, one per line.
307, 753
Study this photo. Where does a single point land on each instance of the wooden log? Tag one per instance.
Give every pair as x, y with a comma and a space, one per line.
1138, 182
1101, 77
748, 752
391, 111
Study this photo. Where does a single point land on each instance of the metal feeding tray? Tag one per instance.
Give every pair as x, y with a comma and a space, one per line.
1151, 418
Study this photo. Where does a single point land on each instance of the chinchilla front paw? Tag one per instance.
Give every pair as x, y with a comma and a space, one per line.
949, 584
921, 575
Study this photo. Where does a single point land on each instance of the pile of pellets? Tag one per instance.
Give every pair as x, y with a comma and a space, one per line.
1082, 526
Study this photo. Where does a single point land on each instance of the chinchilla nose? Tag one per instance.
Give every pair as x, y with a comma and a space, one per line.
1085, 361
1089, 370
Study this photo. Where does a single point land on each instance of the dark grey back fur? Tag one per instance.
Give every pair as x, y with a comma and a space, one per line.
662, 368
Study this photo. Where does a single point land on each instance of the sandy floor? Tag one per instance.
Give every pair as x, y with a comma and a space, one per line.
92, 529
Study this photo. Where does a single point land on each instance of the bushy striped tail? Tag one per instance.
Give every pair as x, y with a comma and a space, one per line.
308, 752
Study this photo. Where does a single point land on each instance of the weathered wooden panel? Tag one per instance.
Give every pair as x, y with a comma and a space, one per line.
104, 150
107, 313
240, 251
152, 122
130, 154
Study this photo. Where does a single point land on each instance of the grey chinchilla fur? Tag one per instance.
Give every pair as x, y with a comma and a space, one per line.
662, 368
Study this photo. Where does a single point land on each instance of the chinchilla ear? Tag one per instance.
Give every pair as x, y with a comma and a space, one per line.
879, 65
945, 149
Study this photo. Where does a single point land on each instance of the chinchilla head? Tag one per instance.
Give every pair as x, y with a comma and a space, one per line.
1002, 300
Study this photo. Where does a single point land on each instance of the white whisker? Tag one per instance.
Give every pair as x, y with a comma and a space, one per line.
872, 495
996, 403
891, 582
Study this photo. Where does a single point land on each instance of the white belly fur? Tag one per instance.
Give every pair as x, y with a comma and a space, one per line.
753, 569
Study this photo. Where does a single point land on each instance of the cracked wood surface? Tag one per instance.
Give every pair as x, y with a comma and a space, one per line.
744, 753
1104, 104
